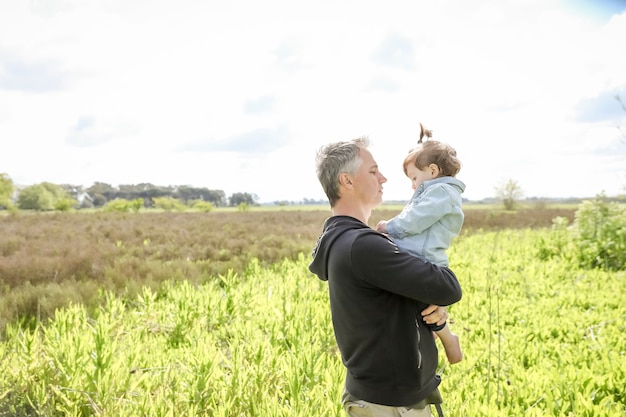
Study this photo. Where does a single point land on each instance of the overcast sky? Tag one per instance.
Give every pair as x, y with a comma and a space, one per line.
238, 95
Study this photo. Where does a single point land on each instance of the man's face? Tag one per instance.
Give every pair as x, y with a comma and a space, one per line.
368, 181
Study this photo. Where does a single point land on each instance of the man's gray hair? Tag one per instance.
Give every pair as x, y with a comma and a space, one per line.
336, 158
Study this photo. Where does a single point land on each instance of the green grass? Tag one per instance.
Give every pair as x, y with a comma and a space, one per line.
52, 259
539, 338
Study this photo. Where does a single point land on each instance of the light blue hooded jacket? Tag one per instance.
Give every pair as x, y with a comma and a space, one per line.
430, 220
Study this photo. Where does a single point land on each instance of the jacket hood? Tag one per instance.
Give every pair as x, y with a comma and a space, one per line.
334, 227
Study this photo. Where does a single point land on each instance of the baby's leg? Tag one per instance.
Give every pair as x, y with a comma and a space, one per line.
450, 342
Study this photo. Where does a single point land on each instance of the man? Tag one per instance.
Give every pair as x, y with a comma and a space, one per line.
377, 293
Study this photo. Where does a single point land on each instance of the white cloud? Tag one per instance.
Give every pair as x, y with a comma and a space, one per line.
115, 91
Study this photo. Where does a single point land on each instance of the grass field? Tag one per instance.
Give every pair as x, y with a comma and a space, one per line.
52, 259
540, 339
216, 314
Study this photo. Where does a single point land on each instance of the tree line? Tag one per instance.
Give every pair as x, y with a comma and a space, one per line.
48, 196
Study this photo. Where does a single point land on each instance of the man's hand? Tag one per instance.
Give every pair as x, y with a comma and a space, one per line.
435, 314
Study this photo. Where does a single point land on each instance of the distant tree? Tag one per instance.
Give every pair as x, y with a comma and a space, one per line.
237, 198
188, 194
101, 193
35, 197
309, 201
6, 191
86, 202
98, 200
74, 190
45, 196
217, 197
145, 191
79, 195
509, 193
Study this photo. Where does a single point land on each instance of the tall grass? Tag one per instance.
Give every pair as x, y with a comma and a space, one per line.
541, 338
545, 337
49, 260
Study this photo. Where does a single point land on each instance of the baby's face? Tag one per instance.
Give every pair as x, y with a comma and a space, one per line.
418, 176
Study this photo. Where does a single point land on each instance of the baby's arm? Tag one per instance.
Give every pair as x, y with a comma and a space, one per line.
420, 214
382, 226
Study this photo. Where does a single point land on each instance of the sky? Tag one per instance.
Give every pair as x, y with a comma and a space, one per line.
239, 95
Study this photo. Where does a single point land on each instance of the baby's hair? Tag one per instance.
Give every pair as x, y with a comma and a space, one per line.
434, 152
424, 133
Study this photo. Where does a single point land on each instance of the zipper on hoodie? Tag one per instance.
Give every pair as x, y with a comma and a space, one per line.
419, 339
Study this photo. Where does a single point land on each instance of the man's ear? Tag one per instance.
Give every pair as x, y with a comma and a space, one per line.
344, 179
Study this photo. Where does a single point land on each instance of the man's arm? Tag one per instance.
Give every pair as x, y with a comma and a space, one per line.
380, 263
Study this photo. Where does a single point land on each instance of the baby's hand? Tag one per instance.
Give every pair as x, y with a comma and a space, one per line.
382, 226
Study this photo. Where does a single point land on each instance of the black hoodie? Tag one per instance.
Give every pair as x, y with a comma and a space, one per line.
376, 295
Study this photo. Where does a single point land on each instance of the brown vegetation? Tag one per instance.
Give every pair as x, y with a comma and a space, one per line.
50, 260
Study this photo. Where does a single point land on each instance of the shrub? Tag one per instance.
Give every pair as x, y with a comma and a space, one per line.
169, 204
123, 205
596, 239
599, 234
45, 197
559, 242
65, 204
203, 206
35, 197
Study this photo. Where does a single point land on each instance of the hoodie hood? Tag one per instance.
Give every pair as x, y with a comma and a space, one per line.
334, 227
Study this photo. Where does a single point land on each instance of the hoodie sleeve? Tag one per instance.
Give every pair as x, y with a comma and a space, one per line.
378, 262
